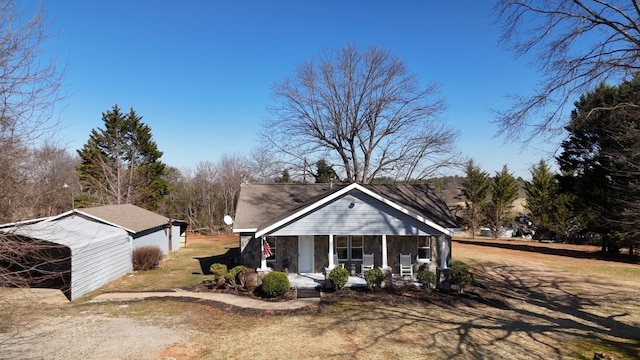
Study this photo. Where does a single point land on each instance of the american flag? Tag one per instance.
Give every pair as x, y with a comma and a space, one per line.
266, 249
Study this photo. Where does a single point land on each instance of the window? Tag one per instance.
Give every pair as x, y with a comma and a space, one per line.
356, 247
342, 247
349, 247
272, 244
424, 248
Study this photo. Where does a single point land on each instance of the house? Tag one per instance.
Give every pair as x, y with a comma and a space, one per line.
307, 228
71, 253
87, 248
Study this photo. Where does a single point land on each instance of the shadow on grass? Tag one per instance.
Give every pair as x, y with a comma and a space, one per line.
516, 313
229, 258
541, 249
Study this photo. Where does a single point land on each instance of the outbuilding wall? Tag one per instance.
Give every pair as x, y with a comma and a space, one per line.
98, 263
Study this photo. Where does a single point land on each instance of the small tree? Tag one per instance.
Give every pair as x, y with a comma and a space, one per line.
504, 191
475, 189
460, 275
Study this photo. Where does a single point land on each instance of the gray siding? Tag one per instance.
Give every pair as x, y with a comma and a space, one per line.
355, 213
157, 237
176, 239
98, 263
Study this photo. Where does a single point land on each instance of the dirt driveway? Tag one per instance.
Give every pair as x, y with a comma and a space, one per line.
543, 305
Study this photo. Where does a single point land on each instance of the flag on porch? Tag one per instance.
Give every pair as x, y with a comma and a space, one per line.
266, 249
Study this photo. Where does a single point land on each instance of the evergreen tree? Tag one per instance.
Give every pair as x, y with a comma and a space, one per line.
475, 188
547, 206
120, 163
325, 172
601, 158
504, 190
285, 178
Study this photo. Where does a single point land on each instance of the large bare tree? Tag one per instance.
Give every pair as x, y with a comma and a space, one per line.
575, 45
364, 113
29, 88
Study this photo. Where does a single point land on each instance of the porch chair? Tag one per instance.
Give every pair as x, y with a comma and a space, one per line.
367, 263
406, 267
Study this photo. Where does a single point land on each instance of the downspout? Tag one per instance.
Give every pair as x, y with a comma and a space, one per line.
170, 235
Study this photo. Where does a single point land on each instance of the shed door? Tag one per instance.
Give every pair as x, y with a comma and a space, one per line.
305, 254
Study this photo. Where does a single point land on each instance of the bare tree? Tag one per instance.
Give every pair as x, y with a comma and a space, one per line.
366, 111
231, 171
29, 88
264, 165
576, 45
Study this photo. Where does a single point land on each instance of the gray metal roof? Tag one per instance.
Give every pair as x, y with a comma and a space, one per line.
127, 216
72, 231
260, 205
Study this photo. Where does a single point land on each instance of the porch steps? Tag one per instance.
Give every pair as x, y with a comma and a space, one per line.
308, 293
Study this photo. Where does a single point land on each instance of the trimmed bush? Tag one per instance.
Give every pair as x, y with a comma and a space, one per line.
232, 275
374, 277
146, 257
275, 284
460, 275
219, 271
339, 277
427, 279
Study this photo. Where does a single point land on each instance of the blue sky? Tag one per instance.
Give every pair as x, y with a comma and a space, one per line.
200, 72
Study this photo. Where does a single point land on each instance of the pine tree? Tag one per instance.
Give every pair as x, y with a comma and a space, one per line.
548, 208
475, 188
120, 163
504, 191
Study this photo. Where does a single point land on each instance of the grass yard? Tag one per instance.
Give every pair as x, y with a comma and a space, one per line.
527, 304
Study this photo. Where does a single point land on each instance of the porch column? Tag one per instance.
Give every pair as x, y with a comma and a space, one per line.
331, 264
443, 252
443, 273
263, 259
385, 262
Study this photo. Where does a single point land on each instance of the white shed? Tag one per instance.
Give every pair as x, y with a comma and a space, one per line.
95, 253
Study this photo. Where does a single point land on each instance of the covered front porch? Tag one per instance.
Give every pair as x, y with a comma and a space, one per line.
317, 280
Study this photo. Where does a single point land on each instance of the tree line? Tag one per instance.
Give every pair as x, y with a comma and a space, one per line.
594, 198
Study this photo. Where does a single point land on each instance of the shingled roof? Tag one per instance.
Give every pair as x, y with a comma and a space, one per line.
261, 205
130, 217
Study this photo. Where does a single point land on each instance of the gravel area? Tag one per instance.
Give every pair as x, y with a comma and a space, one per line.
89, 337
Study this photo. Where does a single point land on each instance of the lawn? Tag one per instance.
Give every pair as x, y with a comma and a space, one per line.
526, 304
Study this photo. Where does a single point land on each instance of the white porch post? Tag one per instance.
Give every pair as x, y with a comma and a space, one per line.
443, 252
331, 264
263, 259
385, 262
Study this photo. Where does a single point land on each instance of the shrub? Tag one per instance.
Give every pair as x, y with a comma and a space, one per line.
232, 275
146, 257
374, 277
427, 279
460, 275
219, 271
275, 284
339, 277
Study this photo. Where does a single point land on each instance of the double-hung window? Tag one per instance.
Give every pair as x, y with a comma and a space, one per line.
424, 248
349, 247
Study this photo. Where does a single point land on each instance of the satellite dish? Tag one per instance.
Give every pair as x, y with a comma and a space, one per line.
228, 220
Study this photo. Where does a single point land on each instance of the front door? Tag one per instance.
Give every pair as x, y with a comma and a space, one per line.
305, 253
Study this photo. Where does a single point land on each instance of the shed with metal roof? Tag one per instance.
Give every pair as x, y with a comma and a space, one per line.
83, 255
